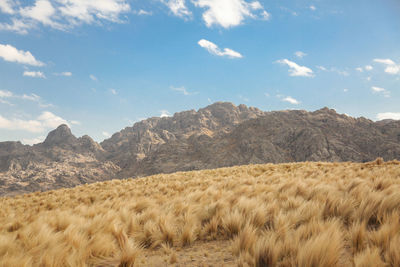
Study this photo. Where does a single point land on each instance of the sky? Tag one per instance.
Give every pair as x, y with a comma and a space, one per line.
102, 65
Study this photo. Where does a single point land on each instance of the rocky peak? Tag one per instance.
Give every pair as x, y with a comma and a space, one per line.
88, 144
60, 136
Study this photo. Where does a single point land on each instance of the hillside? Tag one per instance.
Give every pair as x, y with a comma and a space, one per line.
298, 214
219, 135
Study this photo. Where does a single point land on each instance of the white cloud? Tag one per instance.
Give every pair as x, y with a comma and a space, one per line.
345, 90
6, 6
113, 91
2, 101
43, 122
65, 73
181, 89
300, 54
368, 68
230, 13
17, 26
42, 11
338, 71
391, 66
106, 134
313, 8
178, 8
34, 74
142, 12
381, 90
293, 13
33, 126
291, 100
6, 94
384, 61
94, 78
75, 122
12, 54
87, 11
215, 50
265, 15
164, 113
377, 89
360, 69
295, 69
32, 97
388, 115
62, 14
49, 120
33, 141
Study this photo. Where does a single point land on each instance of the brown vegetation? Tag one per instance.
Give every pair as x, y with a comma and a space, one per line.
300, 214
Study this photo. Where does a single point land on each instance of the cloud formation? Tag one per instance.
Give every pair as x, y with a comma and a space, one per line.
106, 134
295, 69
230, 13
380, 90
43, 122
178, 8
164, 114
65, 73
181, 89
33, 141
215, 50
6, 6
143, 12
12, 54
300, 54
61, 14
32, 97
388, 115
291, 100
34, 74
391, 66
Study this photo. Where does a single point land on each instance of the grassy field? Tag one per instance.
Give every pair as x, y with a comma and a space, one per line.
301, 214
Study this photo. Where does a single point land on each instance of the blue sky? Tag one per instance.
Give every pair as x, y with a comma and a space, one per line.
101, 65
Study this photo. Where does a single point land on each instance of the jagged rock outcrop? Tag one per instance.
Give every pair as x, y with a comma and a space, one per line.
133, 144
62, 160
219, 135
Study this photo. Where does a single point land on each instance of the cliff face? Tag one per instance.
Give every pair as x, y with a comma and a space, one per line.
219, 135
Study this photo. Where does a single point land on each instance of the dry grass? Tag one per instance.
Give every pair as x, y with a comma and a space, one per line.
302, 214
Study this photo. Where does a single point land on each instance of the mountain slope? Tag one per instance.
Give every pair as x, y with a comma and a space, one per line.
219, 135
62, 160
277, 137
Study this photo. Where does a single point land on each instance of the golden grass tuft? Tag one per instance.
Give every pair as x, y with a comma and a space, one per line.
300, 214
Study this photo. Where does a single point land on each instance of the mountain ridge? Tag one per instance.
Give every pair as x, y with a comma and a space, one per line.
219, 135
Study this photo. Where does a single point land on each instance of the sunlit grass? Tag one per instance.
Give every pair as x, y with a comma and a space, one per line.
300, 214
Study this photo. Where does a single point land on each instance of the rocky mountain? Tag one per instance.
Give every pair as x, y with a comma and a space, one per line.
62, 160
219, 135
